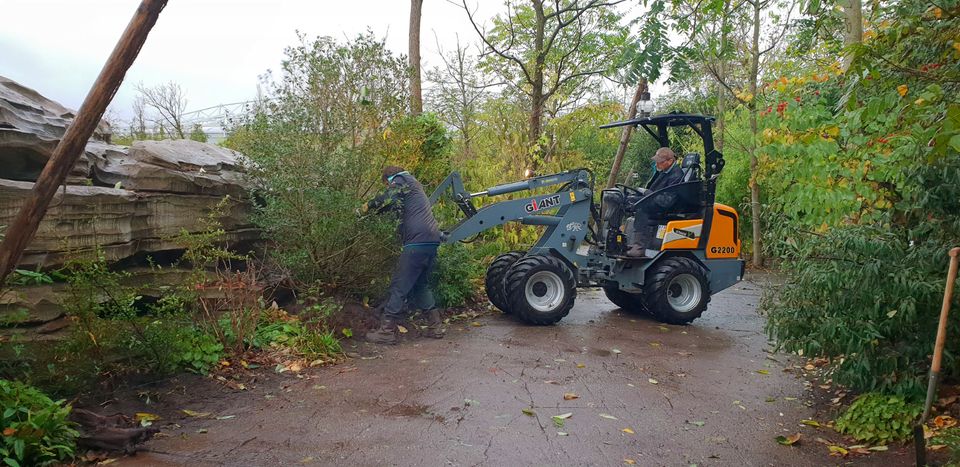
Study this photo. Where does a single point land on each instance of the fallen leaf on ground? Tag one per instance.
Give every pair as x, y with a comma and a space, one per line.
561, 433
788, 440
685, 354
616, 351
529, 412
550, 381
878, 448
470, 402
9, 431
146, 419
476, 324
607, 416
569, 396
202, 430
789, 398
402, 329
226, 417
763, 372
627, 431
809, 367
653, 381
810, 422
629, 461
936, 447
944, 421
195, 414
663, 328
111, 460
771, 399
697, 423
306, 460
655, 344
581, 365
558, 419
838, 451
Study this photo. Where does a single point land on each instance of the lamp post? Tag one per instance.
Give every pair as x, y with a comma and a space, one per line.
644, 105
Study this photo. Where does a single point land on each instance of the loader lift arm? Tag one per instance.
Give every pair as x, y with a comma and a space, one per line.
575, 195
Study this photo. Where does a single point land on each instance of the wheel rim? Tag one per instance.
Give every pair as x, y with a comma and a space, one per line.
544, 291
684, 293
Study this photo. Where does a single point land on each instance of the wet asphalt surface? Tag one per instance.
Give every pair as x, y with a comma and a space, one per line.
648, 393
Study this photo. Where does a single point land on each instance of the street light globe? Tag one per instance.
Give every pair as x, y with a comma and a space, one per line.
645, 107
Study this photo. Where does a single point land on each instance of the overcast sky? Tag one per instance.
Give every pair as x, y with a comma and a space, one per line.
215, 49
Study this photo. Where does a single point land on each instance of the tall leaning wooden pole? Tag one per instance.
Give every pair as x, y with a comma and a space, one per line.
24, 227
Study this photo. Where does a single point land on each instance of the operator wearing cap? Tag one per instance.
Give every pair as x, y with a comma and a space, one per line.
668, 174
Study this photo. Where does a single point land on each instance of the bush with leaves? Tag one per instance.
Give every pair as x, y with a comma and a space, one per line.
864, 168
459, 272
878, 419
35, 429
317, 146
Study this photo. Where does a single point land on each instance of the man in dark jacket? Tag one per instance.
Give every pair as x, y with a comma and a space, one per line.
420, 238
667, 174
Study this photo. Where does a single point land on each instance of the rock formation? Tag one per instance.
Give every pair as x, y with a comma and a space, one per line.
129, 201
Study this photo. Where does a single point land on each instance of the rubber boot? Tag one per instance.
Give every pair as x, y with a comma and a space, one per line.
433, 324
385, 334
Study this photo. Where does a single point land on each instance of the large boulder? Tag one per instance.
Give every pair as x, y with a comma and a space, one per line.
170, 166
30, 128
131, 203
122, 222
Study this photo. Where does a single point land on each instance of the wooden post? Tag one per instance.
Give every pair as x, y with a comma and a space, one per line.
625, 136
24, 227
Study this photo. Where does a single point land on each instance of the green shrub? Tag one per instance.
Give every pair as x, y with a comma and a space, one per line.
35, 428
458, 279
878, 419
199, 351
310, 339
869, 296
317, 146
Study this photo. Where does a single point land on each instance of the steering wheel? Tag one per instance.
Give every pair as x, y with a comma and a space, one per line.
628, 190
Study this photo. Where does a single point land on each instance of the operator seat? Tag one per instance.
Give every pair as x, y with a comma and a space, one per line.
691, 167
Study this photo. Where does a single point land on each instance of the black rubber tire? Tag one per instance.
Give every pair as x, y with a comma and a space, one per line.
631, 302
515, 285
660, 281
494, 280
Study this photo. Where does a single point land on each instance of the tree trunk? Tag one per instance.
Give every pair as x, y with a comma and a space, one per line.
536, 92
71, 146
625, 136
722, 71
416, 92
754, 188
853, 33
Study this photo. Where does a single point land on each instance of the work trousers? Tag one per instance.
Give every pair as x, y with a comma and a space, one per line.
643, 231
411, 281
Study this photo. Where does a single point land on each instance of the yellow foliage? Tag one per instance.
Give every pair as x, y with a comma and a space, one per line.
903, 90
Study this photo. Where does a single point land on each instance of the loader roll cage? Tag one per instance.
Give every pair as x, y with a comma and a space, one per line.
657, 126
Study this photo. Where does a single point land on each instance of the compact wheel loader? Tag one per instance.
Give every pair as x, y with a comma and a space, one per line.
696, 252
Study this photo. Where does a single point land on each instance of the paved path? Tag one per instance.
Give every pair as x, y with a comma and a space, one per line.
690, 395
